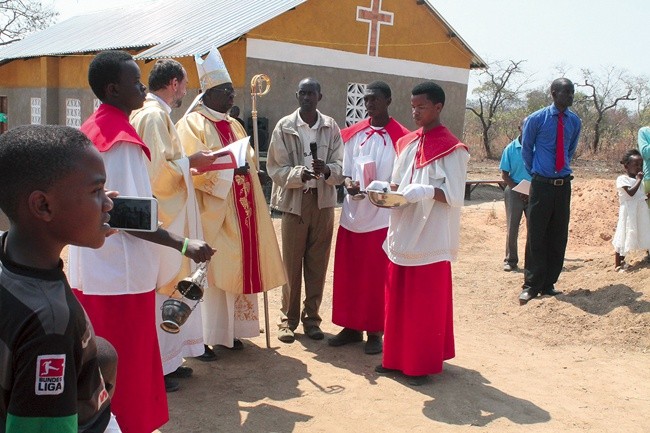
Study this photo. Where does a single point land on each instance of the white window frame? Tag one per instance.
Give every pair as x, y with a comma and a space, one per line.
355, 109
73, 112
36, 109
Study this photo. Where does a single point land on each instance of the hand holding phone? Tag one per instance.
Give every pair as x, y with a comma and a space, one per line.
138, 214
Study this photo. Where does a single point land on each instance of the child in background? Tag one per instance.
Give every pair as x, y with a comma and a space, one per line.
52, 191
633, 228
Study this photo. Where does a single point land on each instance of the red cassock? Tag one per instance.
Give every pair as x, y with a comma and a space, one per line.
358, 298
419, 327
140, 401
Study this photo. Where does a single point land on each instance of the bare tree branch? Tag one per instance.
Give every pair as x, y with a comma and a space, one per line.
494, 94
20, 17
606, 92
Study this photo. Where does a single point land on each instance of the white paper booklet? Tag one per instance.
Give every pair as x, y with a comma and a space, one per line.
523, 187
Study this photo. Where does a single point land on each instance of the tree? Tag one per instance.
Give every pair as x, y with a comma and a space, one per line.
20, 17
604, 93
497, 93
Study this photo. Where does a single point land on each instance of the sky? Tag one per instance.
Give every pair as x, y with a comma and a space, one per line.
547, 34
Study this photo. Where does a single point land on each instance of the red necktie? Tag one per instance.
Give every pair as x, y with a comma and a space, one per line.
559, 145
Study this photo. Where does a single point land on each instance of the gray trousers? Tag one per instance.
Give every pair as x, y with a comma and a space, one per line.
306, 243
515, 207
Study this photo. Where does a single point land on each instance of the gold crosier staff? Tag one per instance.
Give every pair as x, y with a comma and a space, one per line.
260, 86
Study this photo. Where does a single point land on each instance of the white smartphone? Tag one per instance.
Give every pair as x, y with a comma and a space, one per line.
138, 214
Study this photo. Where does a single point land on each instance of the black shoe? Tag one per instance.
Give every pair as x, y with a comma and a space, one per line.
551, 292
374, 345
171, 385
526, 295
380, 369
208, 355
416, 380
181, 372
314, 332
346, 336
236, 345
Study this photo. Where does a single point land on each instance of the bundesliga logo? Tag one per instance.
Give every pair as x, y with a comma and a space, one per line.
50, 370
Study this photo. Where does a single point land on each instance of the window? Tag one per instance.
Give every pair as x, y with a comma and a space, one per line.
73, 113
355, 109
36, 111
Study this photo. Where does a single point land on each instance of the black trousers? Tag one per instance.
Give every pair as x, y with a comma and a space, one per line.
548, 231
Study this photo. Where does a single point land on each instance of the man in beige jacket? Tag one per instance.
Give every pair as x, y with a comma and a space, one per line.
305, 161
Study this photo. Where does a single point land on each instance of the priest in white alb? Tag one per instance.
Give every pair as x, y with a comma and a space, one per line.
172, 185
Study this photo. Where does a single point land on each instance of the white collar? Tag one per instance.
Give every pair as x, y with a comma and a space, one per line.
216, 114
154, 97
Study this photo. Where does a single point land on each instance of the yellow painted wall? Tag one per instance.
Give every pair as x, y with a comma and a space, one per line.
416, 34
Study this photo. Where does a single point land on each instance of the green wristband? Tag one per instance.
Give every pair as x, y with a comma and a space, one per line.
185, 244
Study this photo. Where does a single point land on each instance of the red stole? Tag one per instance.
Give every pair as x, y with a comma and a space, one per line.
244, 203
394, 128
109, 125
434, 144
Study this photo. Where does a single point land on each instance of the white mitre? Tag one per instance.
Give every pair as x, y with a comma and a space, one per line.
212, 72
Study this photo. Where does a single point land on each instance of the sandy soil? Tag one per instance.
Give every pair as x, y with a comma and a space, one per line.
574, 363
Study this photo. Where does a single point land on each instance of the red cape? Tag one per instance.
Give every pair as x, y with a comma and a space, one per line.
109, 125
435, 144
394, 128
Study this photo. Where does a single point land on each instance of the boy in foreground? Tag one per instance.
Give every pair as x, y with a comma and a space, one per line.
50, 379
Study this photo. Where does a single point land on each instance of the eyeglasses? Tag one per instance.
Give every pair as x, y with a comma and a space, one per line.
226, 91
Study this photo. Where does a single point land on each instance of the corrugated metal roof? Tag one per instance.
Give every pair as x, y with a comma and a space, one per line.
168, 28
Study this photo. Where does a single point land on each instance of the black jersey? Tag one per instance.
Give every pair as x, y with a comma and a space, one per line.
49, 373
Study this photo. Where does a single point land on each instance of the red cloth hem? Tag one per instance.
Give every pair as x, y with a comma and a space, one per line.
419, 327
128, 323
359, 277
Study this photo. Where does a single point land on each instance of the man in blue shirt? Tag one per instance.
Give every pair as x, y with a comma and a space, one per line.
550, 138
513, 171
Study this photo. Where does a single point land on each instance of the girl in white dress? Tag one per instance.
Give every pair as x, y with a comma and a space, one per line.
633, 228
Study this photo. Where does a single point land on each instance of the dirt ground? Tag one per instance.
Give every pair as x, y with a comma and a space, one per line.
574, 363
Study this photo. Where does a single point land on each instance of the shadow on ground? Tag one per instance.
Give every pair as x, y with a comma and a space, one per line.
349, 357
461, 396
233, 395
605, 299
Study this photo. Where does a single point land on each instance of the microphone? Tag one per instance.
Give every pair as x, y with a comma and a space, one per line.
312, 148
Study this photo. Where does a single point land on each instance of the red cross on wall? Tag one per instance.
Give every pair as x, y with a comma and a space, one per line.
374, 16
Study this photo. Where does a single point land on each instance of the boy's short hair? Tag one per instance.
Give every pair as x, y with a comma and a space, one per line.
163, 72
34, 157
105, 69
433, 91
383, 87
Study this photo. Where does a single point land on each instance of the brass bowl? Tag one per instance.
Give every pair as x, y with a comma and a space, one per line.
389, 199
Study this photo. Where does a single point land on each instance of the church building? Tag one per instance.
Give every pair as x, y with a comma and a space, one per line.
344, 44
